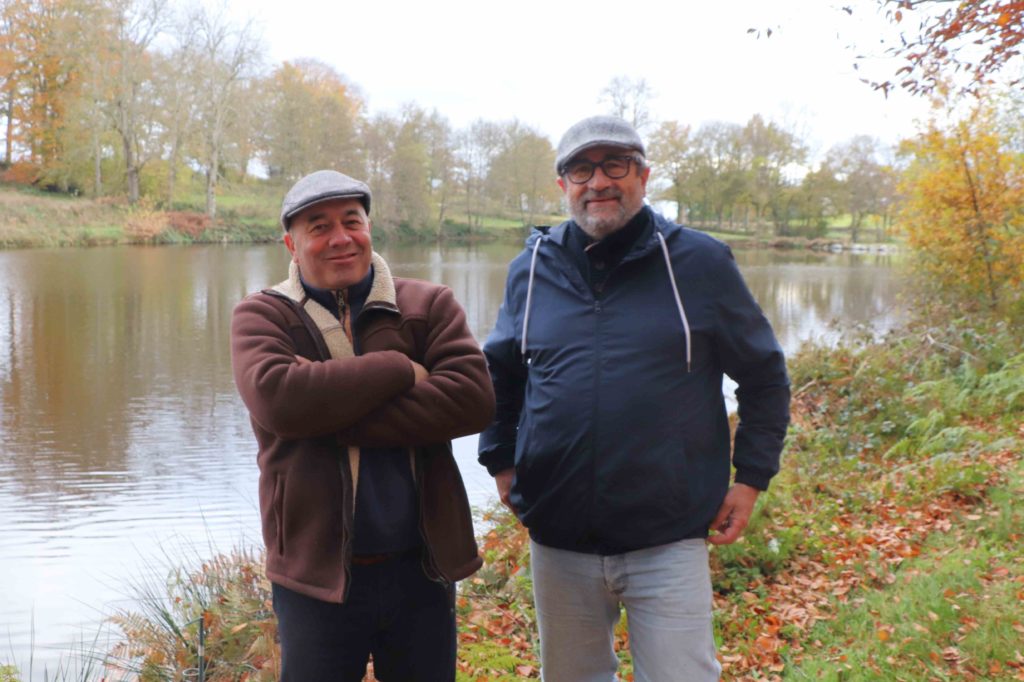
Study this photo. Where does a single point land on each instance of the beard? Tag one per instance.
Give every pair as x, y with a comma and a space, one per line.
597, 227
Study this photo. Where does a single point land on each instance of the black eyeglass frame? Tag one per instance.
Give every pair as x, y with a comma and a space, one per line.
594, 165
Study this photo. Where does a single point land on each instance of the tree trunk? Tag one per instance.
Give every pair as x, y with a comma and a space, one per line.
442, 206
245, 154
97, 163
131, 173
9, 143
172, 174
211, 183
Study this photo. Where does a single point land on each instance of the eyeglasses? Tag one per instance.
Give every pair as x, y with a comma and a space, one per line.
613, 167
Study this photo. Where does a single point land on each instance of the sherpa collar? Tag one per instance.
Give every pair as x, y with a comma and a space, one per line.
382, 295
382, 290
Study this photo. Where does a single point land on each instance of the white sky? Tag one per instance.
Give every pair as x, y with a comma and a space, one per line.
546, 62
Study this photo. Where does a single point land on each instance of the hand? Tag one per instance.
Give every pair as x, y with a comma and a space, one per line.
419, 371
734, 514
503, 480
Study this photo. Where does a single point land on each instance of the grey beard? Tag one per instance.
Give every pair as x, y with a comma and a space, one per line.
599, 228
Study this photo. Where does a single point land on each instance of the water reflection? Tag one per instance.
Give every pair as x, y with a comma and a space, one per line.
122, 439
815, 296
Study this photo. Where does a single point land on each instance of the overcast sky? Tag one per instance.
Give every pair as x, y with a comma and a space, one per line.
546, 62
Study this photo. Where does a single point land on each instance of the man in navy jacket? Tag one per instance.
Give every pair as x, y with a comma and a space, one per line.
611, 441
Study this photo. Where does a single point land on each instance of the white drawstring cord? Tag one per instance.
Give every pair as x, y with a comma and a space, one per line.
672, 280
529, 294
675, 292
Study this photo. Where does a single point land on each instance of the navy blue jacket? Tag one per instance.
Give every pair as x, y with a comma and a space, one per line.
617, 444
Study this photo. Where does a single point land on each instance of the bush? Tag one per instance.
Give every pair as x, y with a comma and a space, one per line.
229, 597
144, 224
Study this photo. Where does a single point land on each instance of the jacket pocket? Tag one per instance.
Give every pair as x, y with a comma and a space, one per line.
279, 514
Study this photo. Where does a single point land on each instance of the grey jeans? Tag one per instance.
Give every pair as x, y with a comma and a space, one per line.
666, 591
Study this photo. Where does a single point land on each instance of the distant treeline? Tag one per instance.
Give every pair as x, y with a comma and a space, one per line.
131, 98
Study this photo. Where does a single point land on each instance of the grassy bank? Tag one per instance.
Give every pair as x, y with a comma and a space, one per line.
889, 548
30, 218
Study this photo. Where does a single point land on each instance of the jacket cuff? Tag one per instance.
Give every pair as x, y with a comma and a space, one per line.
496, 462
753, 478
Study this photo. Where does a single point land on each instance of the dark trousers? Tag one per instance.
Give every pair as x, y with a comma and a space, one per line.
393, 611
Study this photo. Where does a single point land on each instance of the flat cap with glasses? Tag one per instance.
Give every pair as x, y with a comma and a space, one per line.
597, 131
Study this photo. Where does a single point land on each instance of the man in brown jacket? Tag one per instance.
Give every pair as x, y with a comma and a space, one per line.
356, 382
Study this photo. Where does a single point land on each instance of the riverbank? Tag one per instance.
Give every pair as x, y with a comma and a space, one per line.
30, 218
33, 219
889, 547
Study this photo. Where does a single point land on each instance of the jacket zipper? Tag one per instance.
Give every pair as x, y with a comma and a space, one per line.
346, 552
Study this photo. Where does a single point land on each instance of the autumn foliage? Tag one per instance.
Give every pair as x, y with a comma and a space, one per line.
976, 37
963, 206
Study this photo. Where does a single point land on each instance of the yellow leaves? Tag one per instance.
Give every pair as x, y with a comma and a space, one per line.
961, 208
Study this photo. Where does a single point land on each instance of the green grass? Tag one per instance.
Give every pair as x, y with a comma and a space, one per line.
950, 613
250, 200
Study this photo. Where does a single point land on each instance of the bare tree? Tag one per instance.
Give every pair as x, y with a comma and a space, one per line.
629, 100
131, 102
477, 147
441, 152
378, 136
178, 96
227, 56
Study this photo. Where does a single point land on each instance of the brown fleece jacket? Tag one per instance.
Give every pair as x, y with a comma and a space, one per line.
310, 420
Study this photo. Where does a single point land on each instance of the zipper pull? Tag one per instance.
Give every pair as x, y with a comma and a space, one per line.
342, 303
343, 312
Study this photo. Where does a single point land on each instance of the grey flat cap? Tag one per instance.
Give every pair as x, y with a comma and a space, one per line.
323, 185
596, 131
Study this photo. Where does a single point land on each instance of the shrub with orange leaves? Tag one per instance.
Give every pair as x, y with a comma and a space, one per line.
963, 206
